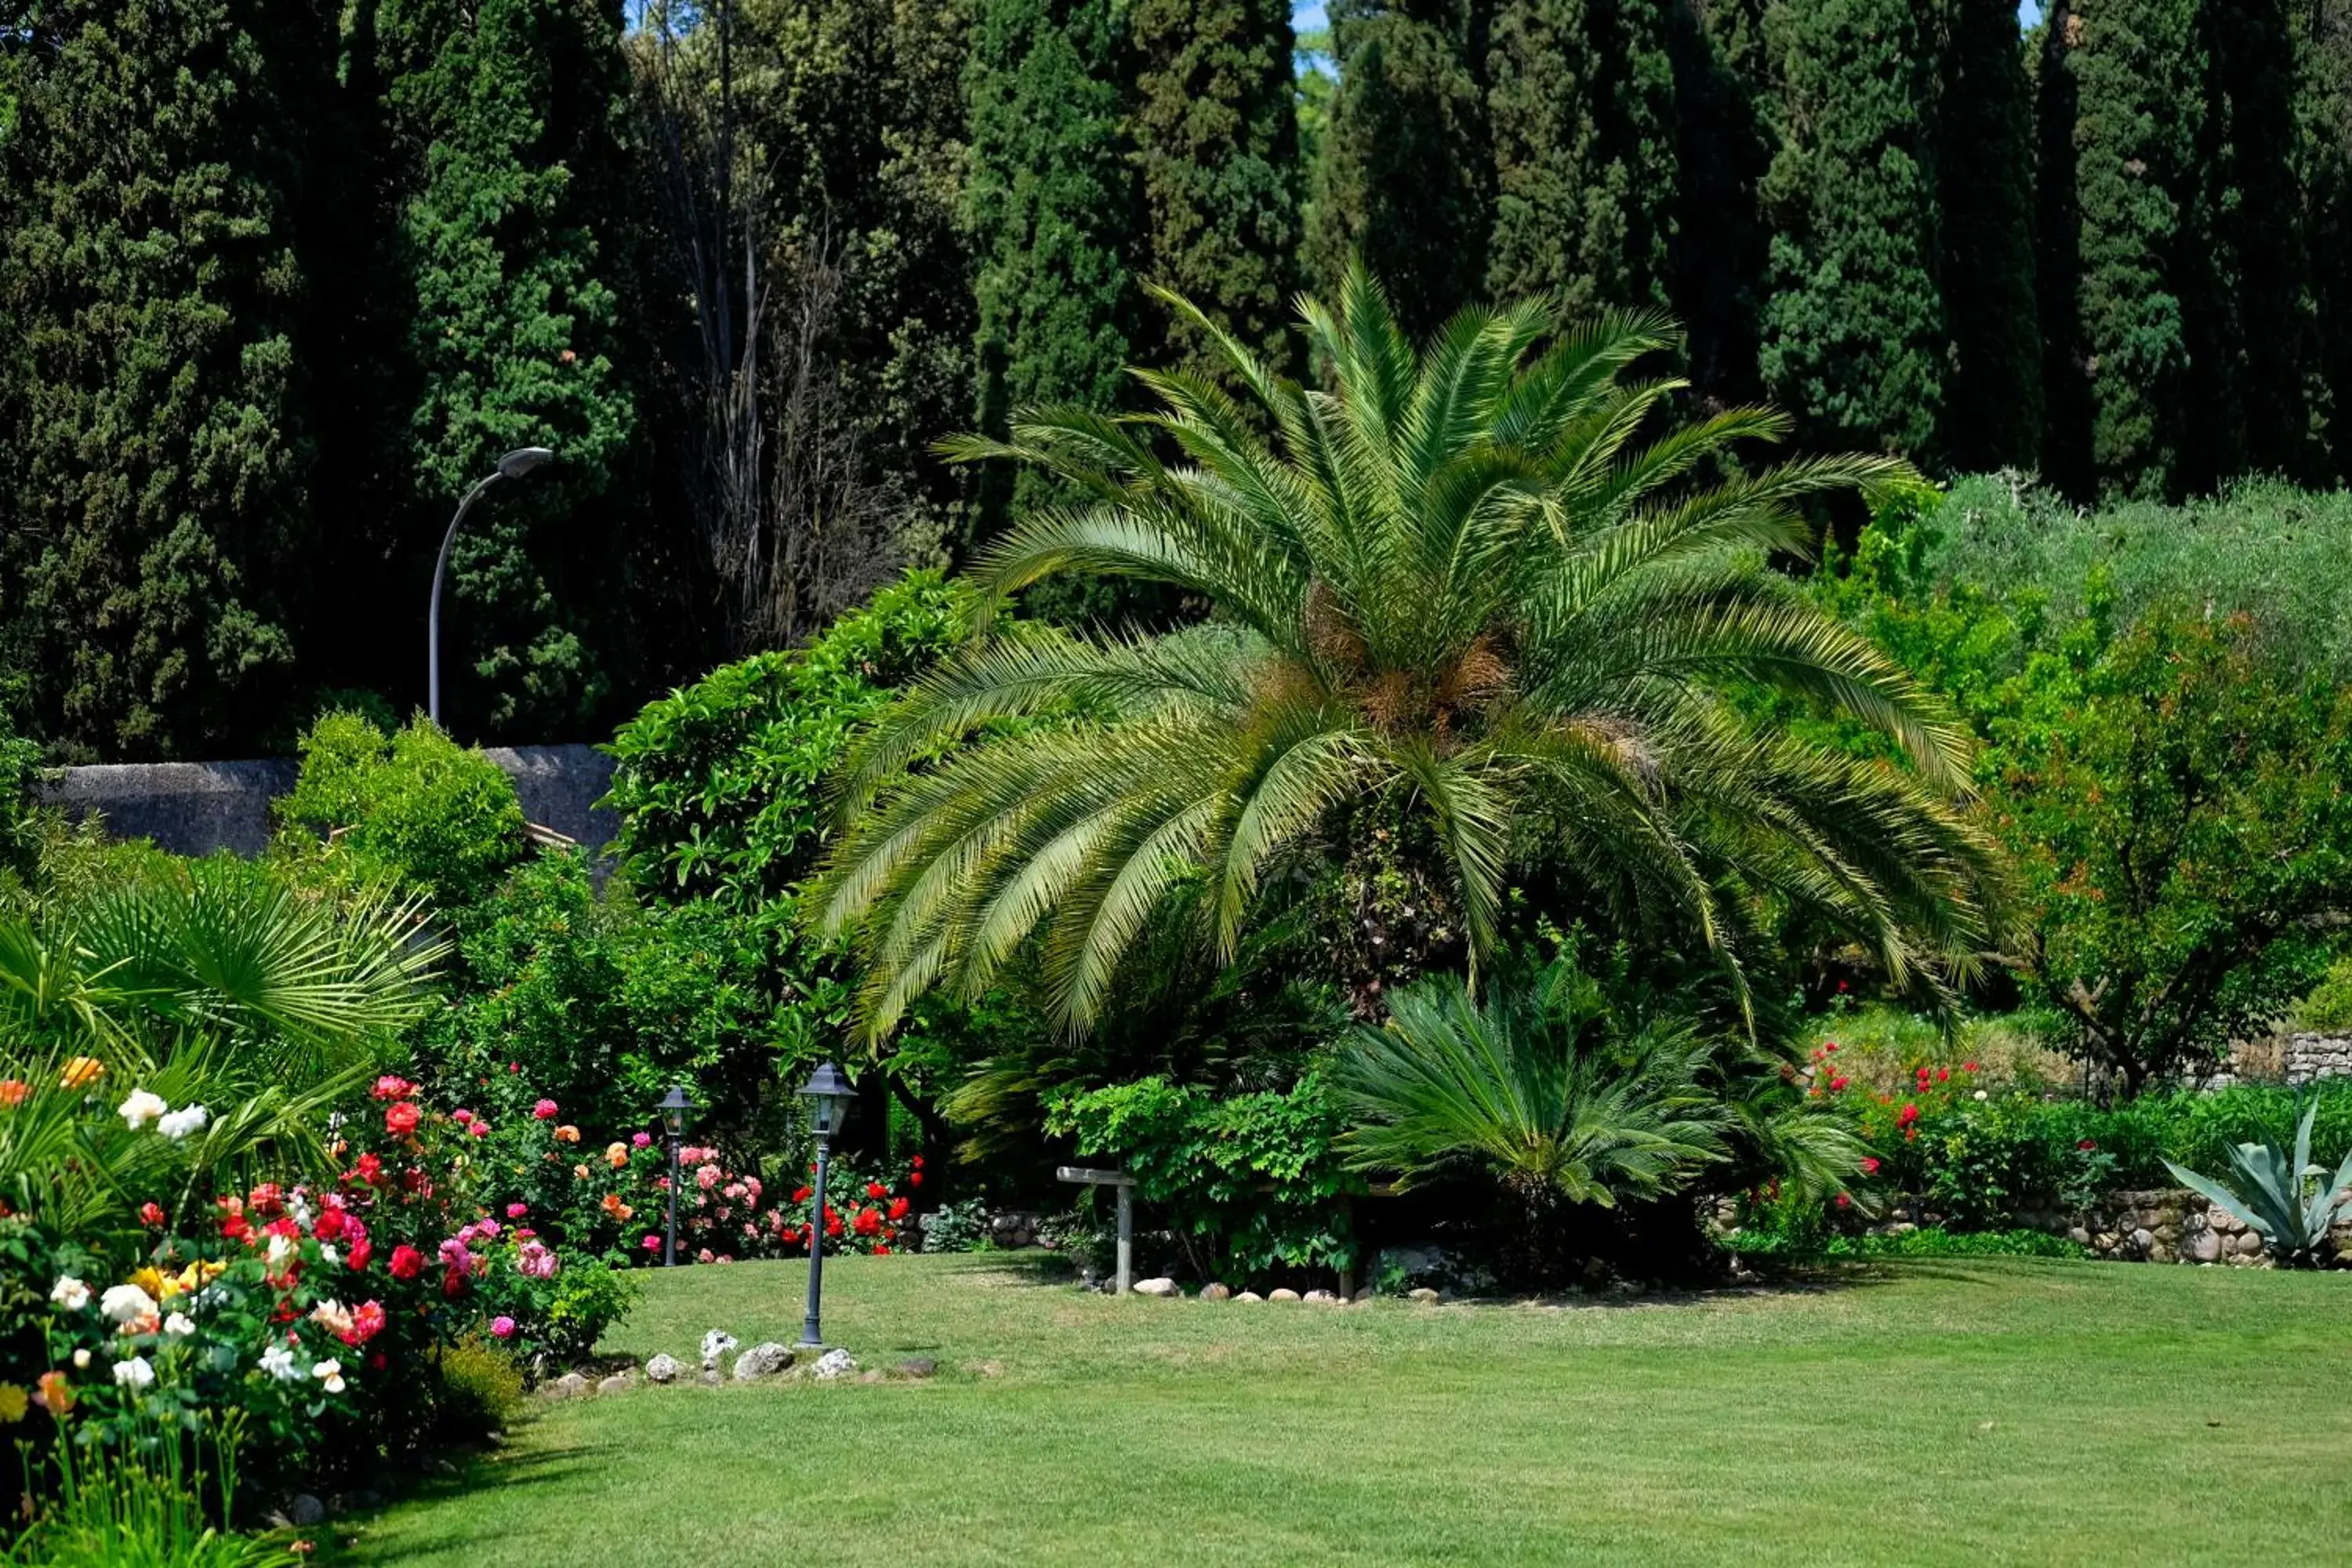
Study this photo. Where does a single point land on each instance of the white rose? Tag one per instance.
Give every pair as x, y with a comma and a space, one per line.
69, 1293
134, 1372
179, 1325
122, 1303
278, 1362
330, 1373
142, 1108
181, 1122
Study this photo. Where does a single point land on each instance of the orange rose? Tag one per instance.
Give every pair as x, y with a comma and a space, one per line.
81, 1070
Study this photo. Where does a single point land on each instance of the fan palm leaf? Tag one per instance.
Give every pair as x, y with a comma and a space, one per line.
1479, 578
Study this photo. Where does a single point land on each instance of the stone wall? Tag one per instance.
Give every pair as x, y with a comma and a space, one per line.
195, 808
2163, 1225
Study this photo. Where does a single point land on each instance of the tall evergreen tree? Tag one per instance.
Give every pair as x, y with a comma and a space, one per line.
1583, 111
2123, 102
1406, 170
1216, 132
1854, 332
1052, 212
1724, 144
2324, 113
1985, 187
504, 121
2247, 321
153, 457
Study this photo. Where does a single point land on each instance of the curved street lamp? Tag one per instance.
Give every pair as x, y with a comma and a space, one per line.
829, 1095
513, 466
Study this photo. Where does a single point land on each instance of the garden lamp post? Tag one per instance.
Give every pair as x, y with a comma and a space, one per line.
675, 1108
828, 1096
513, 466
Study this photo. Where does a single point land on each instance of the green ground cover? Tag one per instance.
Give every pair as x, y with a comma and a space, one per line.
1922, 1412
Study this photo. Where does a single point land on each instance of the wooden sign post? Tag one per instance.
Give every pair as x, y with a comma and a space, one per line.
1126, 1185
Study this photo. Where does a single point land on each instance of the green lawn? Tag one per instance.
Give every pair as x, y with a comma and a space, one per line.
1963, 1413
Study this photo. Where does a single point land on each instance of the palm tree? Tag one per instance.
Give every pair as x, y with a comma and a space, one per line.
1467, 586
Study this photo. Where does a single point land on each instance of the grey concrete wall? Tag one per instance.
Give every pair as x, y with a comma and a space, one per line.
195, 808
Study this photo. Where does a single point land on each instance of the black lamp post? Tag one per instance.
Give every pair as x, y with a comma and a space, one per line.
828, 1095
675, 1108
513, 466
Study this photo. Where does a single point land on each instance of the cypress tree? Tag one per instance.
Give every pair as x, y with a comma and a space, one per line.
1854, 332
2247, 321
1216, 132
153, 457
1051, 213
1406, 170
2122, 112
1985, 187
1723, 145
2324, 113
504, 119
1582, 112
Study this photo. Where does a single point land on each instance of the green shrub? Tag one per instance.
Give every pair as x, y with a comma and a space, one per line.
603, 1003
477, 1388
1251, 1182
413, 810
2329, 1008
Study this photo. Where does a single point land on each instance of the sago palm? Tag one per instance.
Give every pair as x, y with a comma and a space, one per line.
1481, 584
1537, 1086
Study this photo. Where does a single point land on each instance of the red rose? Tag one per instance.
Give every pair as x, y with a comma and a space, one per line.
400, 1120
407, 1263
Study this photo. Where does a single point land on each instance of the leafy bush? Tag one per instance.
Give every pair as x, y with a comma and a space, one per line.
413, 810
602, 1004
1249, 1181
2329, 1008
477, 1389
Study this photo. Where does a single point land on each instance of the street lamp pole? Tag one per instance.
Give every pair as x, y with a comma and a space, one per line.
673, 1109
513, 466
827, 1093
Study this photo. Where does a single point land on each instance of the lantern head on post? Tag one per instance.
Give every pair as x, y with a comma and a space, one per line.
829, 1095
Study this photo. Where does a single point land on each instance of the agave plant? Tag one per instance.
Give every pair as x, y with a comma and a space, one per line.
2273, 1193
1536, 1085
1477, 586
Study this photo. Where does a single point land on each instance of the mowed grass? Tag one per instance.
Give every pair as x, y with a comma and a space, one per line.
1961, 1412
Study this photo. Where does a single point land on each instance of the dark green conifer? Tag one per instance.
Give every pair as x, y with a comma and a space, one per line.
1405, 175
1052, 212
1854, 333
1216, 133
1992, 415
154, 459
1582, 112
504, 121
